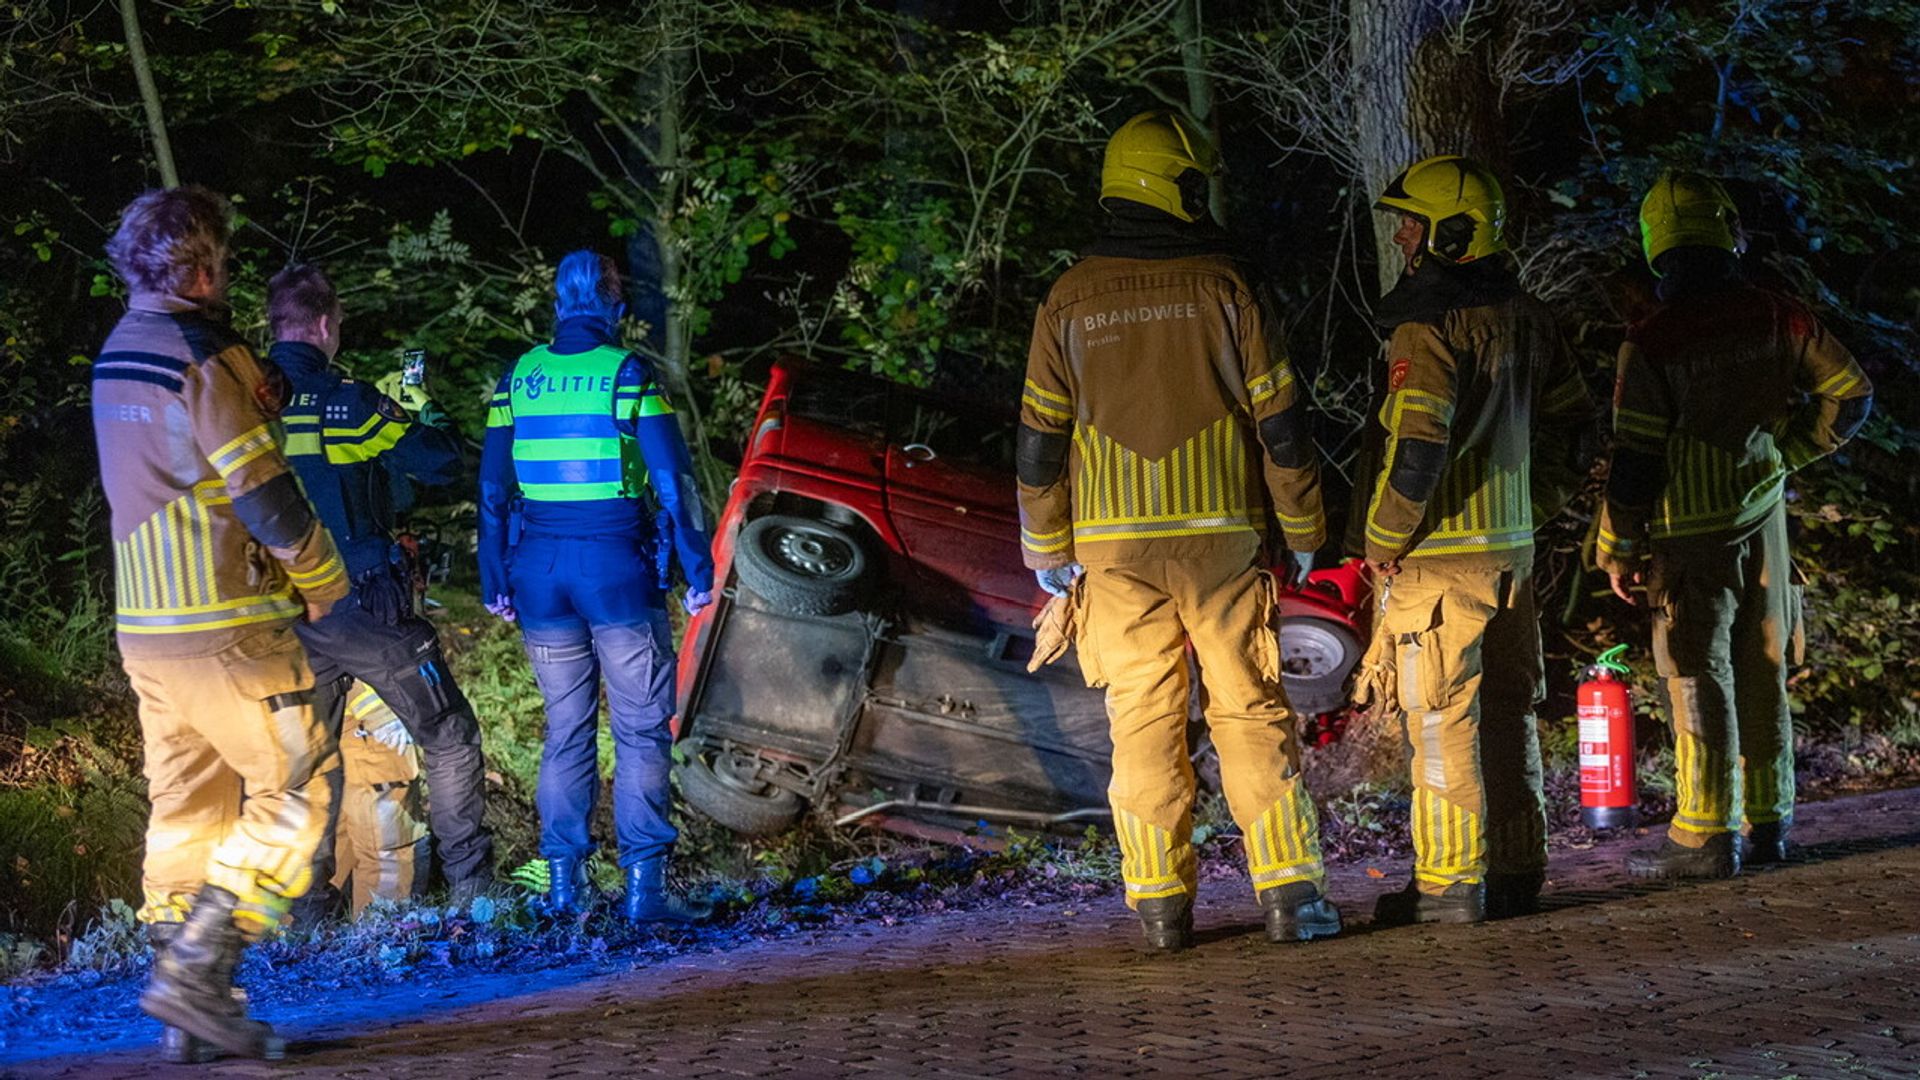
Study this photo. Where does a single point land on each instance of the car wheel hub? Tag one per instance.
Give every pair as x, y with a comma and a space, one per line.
1308, 651
812, 554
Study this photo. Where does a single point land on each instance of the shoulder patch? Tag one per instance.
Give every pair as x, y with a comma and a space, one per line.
1397, 372
392, 410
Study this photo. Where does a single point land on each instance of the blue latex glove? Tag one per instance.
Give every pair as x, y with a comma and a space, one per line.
1294, 567
1056, 580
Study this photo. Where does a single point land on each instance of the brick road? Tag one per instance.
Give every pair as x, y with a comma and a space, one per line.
1807, 970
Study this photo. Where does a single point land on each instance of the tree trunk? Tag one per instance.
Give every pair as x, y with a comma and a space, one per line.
1191, 30
149, 94
1422, 86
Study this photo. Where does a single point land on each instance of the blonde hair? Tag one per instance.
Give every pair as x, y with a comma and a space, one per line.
168, 233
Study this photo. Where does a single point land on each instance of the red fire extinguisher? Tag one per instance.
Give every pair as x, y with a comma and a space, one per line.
1607, 796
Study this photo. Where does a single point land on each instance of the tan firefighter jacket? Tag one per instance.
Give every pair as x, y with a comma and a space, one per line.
1471, 392
1183, 411
212, 539
1718, 398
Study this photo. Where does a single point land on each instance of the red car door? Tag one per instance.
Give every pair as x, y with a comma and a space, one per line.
950, 496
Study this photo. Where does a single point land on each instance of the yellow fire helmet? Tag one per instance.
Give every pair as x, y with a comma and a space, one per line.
1160, 159
1685, 209
1459, 199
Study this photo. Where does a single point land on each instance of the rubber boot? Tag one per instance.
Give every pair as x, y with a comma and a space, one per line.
648, 901
1720, 858
192, 984
1463, 902
176, 1046
1299, 911
1167, 922
1510, 895
1766, 844
566, 880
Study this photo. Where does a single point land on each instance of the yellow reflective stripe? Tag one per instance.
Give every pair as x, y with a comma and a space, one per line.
1042, 392
1276, 379
1838, 383
303, 443
1648, 425
319, 575
354, 433
1044, 409
241, 450
499, 416
655, 404
347, 453
1406, 400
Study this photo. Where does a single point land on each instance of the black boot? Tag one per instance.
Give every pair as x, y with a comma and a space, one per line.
1720, 858
192, 984
1509, 895
1766, 844
566, 880
463, 893
648, 900
1463, 902
1167, 922
176, 1046
1299, 911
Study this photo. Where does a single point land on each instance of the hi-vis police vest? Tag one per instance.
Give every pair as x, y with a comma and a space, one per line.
566, 411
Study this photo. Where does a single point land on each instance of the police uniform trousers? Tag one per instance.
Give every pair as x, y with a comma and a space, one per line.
1466, 649
1136, 623
213, 726
1725, 616
403, 663
590, 608
381, 839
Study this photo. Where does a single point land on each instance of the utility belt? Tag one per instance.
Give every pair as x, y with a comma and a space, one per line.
658, 545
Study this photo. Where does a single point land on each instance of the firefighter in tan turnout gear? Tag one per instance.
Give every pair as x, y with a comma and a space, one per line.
1477, 376
217, 555
380, 843
1722, 393
1160, 414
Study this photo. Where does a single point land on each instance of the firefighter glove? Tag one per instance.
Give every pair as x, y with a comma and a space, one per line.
1057, 580
393, 735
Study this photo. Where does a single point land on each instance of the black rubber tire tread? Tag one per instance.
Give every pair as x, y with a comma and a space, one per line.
742, 812
1325, 693
792, 592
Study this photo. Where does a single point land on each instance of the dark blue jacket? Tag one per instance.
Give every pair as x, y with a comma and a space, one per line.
664, 457
348, 443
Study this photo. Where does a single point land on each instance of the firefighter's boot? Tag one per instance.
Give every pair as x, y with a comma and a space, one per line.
1167, 922
192, 985
176, 1046
1299, 911
648, 900
1766, 844
1509, 895
1718, 858
566, 882
1462, 902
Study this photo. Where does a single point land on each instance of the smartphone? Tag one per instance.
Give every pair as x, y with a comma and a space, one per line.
413, 367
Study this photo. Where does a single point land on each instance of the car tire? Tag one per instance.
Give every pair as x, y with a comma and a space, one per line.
1316, 656
735, 799
802, 566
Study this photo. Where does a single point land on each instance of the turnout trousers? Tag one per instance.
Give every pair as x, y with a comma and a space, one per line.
1136, 623
589, 608
241, 720
381, 840
1725, 616
402, 662
1467, 659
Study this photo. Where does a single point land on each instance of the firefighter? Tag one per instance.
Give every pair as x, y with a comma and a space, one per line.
217, 558
347, 441
1160, 414
1477, 375
380, 844
580, 434
1723, 392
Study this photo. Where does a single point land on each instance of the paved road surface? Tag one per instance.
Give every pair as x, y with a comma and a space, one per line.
1807, 970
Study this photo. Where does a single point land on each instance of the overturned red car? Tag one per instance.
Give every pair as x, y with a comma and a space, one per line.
866, 655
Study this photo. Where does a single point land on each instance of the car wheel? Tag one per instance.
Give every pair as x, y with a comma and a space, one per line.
1316, 656
727, 786
803, 566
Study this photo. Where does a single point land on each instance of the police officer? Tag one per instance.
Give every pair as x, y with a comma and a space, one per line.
380, 843
1723, 392
1477, 376
579, 434
217, 557
1160, 415
346, 440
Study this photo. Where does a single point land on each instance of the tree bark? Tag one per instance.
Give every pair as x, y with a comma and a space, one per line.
1423, 85
1191, 30
149, 94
